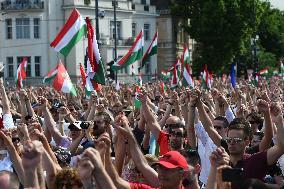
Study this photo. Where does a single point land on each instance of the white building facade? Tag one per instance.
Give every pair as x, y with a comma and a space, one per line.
27, 28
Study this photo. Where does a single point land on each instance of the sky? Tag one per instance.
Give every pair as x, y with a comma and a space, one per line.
278, 4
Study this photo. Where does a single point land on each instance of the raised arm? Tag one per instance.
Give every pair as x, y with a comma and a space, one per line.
275, 152
151, 121
206, 121
49, 121
137, 156
265, 143
191, 135
5, 99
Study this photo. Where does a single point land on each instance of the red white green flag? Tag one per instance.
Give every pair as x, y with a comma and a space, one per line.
152, 50
282, 70
166, 75
50, 76
205, 78
263, 72
73, 30
186, 70
163, 88
175, 74
21, 73
95, 68
62, 81
134, 54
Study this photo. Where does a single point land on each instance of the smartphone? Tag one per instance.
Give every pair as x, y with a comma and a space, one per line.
232, 174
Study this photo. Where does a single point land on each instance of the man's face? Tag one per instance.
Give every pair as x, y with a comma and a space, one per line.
255, 140
176, 138
99, 125
219, 127
74, 132
236, 142
253, 123
169, 178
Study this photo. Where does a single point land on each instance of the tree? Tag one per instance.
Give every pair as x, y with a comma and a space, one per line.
271, 30
222, 28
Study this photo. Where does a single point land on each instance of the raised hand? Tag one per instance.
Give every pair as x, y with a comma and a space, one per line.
219, 157
262, 106
195, 97
276, 114
94, 156
32, 155
5, 140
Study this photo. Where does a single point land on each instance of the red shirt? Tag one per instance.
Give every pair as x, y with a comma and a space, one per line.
163, 142
143, 186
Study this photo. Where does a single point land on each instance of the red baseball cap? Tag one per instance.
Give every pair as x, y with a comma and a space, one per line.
173, 159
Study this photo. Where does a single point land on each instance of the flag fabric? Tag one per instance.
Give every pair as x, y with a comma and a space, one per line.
21, 73
224, 78
233, 77
175, 78
134, 54
83, 75
205, 78
163, 88
50, 76
152, 50
95, 68
73, 30
188, 81
62, 81
263, 72
166, 75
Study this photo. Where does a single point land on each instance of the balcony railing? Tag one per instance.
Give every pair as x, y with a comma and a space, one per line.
22, 5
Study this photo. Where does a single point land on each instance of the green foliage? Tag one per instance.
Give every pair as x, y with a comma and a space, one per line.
271, 31
223, 30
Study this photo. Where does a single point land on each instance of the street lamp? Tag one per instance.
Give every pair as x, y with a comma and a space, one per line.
114, 4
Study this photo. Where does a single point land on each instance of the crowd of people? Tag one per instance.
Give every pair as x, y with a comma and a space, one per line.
218, 138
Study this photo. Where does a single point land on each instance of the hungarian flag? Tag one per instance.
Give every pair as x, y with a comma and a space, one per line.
62, 81
188, 81
163, 88
175, 74
134, 54
166, 75
50, 76
83, 75
73, 30
21, 73
137, 103
263, 72
152, 50
205, 84
95, 68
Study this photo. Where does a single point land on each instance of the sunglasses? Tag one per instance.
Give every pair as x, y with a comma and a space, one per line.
176, 134
234, 139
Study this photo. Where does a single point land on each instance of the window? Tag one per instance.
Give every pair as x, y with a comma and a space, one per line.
28, 69
36, 28
118, 29
10, 65
37, 66
9, 29
22, 28
146, 32
143, 2
133, 29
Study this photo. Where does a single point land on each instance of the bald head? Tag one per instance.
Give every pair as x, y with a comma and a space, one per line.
173, 120
8, 180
